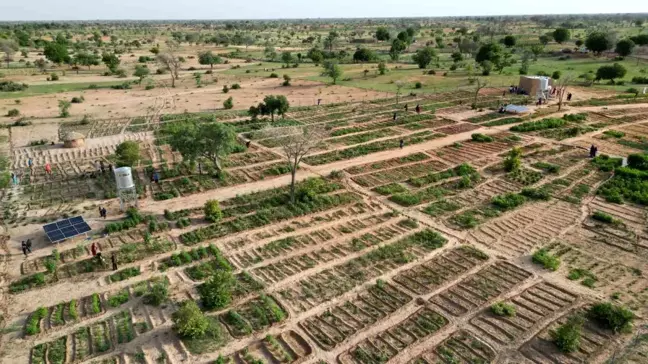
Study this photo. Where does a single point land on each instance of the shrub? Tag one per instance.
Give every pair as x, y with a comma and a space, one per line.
556, 75
418, 85
613, 317
118, 299
536, 193
503, 309
13, 112
128, 153
122, 86
216, 292
157, 295
638, 161
512, 162
236, 86
274, 75
543, 124
189, 321
603, 217
10, 86
545, 259
605, 163
212, 211
614, 133
229, 103
481, 138
53, 77
567, 337
508, 201
77, 100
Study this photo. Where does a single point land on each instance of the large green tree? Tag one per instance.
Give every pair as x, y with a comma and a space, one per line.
598, 42
364, 55
332, 70
111, 61
196, 141
128, 153
610, 72
624, 47
424, 56
207, 58
382, 34
398, 46
56, 53
561, 35
86, 59
275, 105
189, 321
216, 292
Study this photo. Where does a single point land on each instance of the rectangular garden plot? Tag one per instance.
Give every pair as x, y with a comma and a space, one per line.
253, 316
386, 345
460, 348
399, 174
479, 288
533, 307
313, 290
593, 343
348, 318
427, 276
287, 347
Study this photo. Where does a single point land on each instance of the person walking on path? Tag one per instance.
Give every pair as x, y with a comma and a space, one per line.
406, 107
156, 177
569, 96
30, 163
418, 109
29, 246
48, 168
104, 212
101, 165
113, 259
23, 245
394, 116
402, 143
93, 249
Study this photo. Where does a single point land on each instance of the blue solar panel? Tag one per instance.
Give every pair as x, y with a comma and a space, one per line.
66, 229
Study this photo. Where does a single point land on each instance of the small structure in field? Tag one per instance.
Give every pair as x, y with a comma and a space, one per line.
536, 86
73, 139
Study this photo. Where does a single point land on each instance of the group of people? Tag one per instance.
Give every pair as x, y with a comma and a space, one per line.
26, 246
406, 107
103, 212
593, 151
515, 90
95, 249
101, 167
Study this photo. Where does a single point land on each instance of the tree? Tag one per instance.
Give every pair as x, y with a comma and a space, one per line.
479, 84
216, 292
170, 62
398, 46
567, 337
610, 72
364, 55
544, 39
332, 70
111, 61
468, 46
536, 50
382, 68
287, 58
561, 35
640, 40
86, 59
8, 47
208, 58
488, 52
579, 42
287, 79
128, 153
457, 57
509, 41
624, 47
296, 142
274, 104
229, 103
505, 60
315, 55
598, 42
424, 56
382, 34
57, 53
41, 64
196, 141
513, 161
399, 87
561, 88
189, 321
141, 71
64, 108
330, 40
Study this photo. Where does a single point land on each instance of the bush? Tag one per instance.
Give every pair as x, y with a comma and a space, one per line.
418, 85
545, 259
236, 86
122, 86
638, 161
543, 124
512, 162
13, 113
189, 321
127, 153
613, 317
32, 327
567, 337
481, 138
614, 133
536, 193
77, 100
605, 163
118, 299
274, 75
503, 309
53, 77
10, 86
508, 201
556, 75
229, 103
216, 292
212, 211
157, 295
640, 80
603, 217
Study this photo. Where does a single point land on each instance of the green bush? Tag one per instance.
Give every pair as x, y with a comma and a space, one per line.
189, 321
228, 104
508, 201
13, 112
547, 260
216, 292
157, 295
638, 161
614, 133
503, 309
606, 163
543, 124
95, 304
567, 337
10, 86
481, 138
124, 274
613, 317
536, 193
212, 211
118, 299
603, 217
236, 86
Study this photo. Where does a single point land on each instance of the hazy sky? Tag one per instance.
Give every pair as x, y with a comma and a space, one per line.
265, 9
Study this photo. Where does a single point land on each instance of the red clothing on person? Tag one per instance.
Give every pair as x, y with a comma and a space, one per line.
93, 249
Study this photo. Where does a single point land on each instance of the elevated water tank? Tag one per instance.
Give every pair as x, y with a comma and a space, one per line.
544, 83
124, 178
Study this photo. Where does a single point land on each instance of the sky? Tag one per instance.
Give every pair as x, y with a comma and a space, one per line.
11, 10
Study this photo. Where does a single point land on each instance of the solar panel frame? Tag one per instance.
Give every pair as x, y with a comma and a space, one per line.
66, 229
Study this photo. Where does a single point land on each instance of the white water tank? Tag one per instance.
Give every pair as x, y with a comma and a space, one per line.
544, 83
124, 178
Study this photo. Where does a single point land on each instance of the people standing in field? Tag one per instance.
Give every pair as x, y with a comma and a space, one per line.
113, 259
418, 109
402, 143
23, 246
394, 117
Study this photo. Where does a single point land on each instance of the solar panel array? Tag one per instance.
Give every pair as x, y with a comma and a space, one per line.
66, 229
